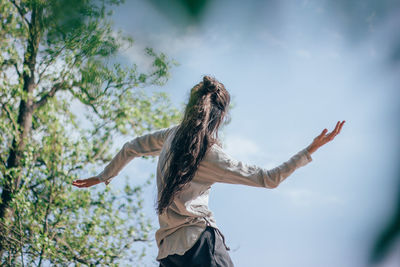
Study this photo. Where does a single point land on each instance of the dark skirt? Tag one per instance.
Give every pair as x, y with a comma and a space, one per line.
210, 250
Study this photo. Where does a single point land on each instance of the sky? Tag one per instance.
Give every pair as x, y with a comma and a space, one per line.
292, 70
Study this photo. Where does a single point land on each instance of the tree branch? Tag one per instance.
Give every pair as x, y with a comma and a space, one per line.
48, 95
18, 72
101, 150
127, 245
83, 101
9, 115
49, 62
45, 223
3, 161
21, 12
74, 256
51, 177
8, 63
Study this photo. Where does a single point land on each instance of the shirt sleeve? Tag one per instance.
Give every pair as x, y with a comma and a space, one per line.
146, 145
225, 169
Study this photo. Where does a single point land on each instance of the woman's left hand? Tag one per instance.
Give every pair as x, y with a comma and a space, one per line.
324, 138
87, 182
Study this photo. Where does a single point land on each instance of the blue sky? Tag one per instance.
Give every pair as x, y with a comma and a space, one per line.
292, 72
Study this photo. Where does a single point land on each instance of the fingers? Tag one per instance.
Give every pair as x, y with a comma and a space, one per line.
323, 132
77, 182
80, 183
338, 127
324, 138
86, 182
83, 183
341, 125
335, 131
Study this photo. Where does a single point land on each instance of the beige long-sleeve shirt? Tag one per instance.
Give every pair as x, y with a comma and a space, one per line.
187, 217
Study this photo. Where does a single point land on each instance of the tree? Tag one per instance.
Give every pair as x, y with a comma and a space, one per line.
57, 57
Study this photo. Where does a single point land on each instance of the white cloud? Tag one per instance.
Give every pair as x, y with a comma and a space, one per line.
179, 45
136, 54
303, 53
305, 197
241, 147
245, 149
271, 165
271, 39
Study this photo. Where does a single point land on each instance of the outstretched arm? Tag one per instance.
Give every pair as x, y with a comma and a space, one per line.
145, 145
225, 169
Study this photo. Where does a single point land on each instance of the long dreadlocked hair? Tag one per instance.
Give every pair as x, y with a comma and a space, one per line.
198, 131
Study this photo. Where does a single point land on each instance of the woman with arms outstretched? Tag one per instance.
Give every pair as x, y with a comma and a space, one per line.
191, 160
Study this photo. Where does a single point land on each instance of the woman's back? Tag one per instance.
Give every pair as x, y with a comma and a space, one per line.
184, 220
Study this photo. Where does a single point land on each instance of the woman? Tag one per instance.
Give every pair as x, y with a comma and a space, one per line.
191, 159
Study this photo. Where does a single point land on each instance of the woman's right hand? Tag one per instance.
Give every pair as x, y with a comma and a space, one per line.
324, 138
87, 182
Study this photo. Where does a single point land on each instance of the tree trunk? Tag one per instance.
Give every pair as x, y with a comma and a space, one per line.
24, 122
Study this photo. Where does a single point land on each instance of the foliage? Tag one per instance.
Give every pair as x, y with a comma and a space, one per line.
64, 98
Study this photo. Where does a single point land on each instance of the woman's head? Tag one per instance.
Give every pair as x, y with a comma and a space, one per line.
204, 114
208, 104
